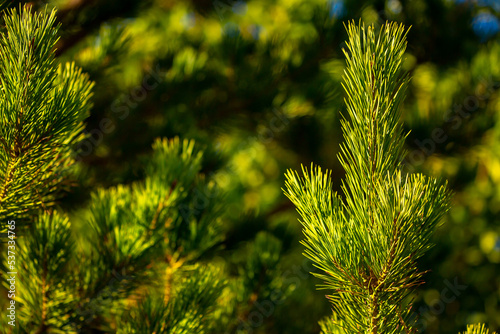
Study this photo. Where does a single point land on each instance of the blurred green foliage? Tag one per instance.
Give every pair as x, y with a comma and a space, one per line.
258, 84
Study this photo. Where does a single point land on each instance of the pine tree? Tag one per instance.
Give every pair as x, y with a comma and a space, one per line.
42, 108
367, 243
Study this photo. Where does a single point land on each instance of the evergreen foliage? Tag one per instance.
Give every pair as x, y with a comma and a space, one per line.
138, 262
44, 286
367, 244
189, 310
138, 259
477, 329
136, 247
42, 108
146, 242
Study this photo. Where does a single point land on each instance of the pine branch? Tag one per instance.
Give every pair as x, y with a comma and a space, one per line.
189, 311
477, 329
367, 245
131, 236
42, 288
156, 224
42, 108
